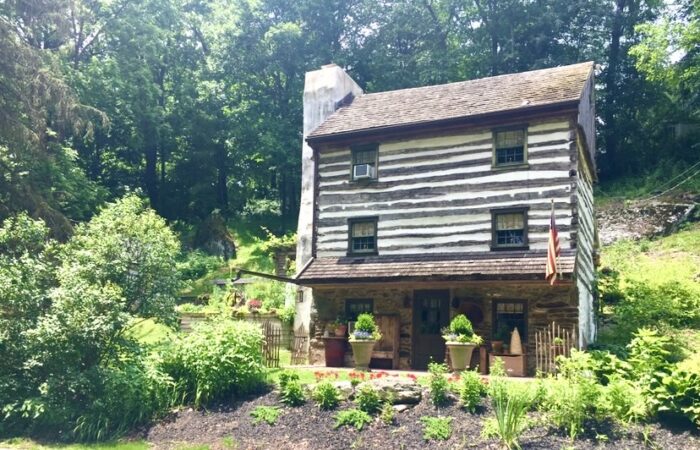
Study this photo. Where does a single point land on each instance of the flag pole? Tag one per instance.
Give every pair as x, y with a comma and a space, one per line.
556, 256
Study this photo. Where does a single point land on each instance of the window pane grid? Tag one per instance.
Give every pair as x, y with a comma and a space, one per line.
510, 155
363, 244
510, 147
510, 237
509, 229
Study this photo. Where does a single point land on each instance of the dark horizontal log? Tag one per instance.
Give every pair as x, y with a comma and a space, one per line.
397, 200
418, 212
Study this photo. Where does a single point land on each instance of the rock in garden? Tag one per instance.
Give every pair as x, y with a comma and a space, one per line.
404, 391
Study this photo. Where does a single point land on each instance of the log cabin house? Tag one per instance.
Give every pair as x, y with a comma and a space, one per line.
420, 204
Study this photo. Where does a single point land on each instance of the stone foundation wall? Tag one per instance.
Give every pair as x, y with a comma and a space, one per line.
544, 304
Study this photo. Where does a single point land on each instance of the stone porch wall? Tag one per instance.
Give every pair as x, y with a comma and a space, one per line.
544, 304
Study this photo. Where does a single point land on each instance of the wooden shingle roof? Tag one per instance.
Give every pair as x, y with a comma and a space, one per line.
529, 265
454, 101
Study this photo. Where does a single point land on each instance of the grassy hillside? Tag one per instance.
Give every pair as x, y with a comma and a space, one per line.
654, 283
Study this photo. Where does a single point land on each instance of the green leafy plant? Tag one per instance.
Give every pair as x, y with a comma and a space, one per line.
291, 392
678, 395
326, 395
388, 413
365, 328
471, 390
268, 414
436, 428
218, 359
511, 401
439, 386
624, 401
569, 401
352, 417
368, 399
287, 314
461, 331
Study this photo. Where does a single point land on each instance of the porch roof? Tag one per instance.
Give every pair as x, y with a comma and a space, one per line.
523, 265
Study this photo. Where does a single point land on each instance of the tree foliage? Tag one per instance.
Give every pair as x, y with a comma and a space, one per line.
64, 315
199, 103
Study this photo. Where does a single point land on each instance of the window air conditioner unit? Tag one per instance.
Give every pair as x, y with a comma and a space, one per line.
362, 171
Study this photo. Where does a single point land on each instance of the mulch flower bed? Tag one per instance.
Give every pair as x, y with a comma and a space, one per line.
307, 427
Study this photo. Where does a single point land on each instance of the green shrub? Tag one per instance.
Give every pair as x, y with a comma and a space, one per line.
436, 428
268, 414
461, 325
368, 400
461, 330
326, 395
471, 389
287, 314
365, 328
569, 401
352, 417
641, 303
216, 360
650, 355
291, 393
678, 395
624, 401
388, 414
511, 401
196, 264
70, 367
439, 386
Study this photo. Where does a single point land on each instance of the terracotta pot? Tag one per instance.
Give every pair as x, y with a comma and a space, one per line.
340, 330
497, 347
460, 355
362, 352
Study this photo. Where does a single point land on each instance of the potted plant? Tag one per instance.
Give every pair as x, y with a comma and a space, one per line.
501, 335
362, 340
461, 341
340, 326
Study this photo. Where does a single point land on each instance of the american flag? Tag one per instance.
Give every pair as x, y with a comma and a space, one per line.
553, 251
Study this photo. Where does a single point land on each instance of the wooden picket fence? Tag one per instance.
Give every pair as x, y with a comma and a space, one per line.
299, 353
551, 342
271, 344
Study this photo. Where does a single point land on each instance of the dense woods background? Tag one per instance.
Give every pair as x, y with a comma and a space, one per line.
197, 104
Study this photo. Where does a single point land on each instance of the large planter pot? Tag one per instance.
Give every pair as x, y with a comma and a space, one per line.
362, 352
460, 355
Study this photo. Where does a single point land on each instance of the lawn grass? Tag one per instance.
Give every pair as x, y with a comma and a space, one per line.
148, 332
671, 258
28, 444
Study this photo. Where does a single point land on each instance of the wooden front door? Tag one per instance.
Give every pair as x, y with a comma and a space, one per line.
431, 313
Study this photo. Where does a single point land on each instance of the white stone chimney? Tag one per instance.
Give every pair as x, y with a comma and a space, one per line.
324, 89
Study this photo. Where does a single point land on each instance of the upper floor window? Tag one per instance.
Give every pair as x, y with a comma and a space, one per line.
363, 236
509, 147
364, 163
509, 228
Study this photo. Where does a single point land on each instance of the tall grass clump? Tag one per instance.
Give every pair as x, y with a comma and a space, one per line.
216, 360
511, 400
